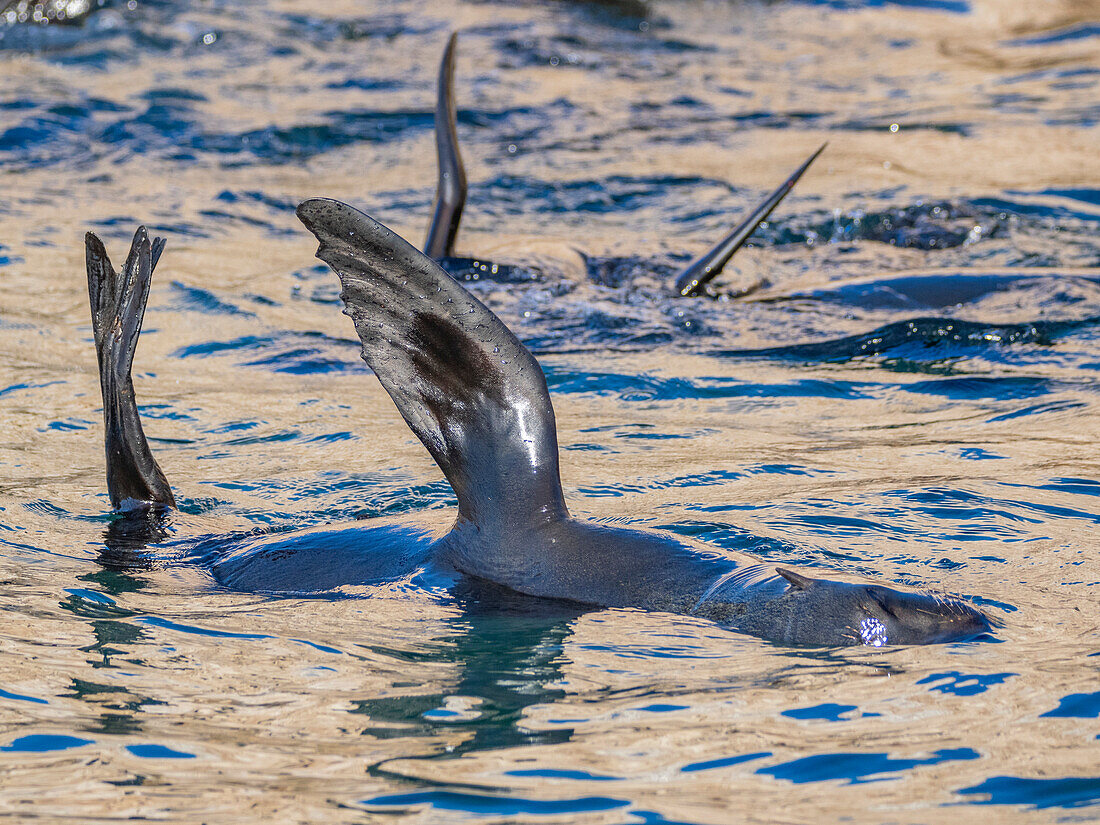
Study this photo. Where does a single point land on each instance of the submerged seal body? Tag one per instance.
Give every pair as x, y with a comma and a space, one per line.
478, 401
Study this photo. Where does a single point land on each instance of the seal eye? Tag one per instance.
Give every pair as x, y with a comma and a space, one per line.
872, 632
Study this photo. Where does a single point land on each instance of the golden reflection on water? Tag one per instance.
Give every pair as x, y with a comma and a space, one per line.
286, 730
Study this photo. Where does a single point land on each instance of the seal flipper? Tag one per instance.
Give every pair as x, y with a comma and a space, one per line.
466, 386
450, 195
701, 271
118, 306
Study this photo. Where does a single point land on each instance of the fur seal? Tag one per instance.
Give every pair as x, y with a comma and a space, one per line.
478, 401
450, 196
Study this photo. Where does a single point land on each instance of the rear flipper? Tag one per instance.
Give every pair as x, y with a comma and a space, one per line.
118, 306
701, 271
450, 195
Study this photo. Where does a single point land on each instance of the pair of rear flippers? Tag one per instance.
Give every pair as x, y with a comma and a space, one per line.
450, 195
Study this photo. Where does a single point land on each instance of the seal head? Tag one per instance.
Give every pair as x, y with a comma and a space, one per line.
818, 612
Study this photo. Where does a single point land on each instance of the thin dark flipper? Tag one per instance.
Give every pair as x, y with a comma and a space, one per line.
704, 269
466, 386
450, 195
118, 306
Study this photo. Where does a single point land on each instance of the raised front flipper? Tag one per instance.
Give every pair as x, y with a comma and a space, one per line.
466, 386
704, 269
450, 195
118, 306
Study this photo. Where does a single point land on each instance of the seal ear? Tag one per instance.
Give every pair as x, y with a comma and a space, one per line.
797, 581
889, 600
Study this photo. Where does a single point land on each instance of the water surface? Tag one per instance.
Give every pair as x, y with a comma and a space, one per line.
909, 391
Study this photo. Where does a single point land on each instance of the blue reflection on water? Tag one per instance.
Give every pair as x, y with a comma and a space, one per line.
829, 711
158, 752
168, 624
19, 697
858, 767
963, 684
43, 742
1068, 792
1077, 706
551, 773
729, 761
495, 805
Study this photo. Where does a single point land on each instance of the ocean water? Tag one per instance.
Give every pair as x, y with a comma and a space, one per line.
908, 387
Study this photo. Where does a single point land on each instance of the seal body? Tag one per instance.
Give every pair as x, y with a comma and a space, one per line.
600, 566
478, 401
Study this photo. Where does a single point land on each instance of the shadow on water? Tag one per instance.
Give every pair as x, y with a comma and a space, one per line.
120, 559
510, 651
509, 648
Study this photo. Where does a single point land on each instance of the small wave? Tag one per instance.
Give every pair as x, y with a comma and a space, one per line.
919, 339
933, 290
483, 804
298, 353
